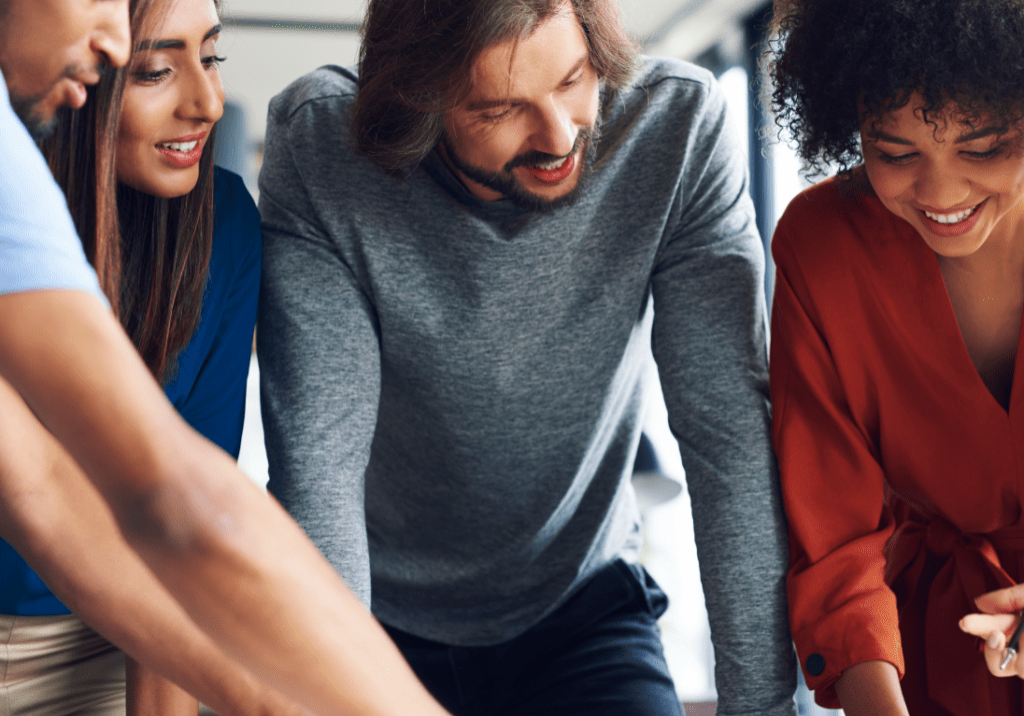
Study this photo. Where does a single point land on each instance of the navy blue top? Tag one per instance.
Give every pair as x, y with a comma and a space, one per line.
209, 387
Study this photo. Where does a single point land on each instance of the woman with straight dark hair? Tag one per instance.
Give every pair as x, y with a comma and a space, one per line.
895, 356
175, 243
147, 228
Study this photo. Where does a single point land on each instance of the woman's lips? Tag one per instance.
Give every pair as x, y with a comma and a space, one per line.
958, 229
180, 158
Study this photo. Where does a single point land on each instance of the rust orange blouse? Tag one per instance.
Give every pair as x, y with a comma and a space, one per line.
901, 474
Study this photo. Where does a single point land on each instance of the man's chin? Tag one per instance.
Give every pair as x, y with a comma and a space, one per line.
27, 110
526, 199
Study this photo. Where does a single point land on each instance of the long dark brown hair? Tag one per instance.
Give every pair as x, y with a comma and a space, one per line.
151, 255
416, 55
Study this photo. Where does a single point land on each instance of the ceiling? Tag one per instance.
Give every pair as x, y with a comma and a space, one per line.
678, 28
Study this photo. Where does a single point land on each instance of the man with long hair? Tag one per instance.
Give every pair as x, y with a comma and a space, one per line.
470, 247
239, 567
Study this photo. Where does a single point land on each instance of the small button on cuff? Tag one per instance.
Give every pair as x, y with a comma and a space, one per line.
815, 664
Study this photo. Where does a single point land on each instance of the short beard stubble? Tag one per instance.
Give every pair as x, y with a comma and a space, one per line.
505, 182
25, 108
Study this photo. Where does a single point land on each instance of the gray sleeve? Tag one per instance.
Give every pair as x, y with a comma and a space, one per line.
319, 359
709, 340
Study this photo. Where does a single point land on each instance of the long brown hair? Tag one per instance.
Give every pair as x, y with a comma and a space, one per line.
416, 55
151, 255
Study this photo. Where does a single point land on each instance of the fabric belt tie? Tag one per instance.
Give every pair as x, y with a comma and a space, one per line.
969, 564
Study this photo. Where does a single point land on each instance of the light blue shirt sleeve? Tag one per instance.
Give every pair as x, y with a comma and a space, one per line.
39, 247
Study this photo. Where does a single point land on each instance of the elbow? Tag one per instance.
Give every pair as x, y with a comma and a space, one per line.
162, 518
187, 513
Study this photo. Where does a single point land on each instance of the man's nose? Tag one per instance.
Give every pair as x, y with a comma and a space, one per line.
112, 38
554, 132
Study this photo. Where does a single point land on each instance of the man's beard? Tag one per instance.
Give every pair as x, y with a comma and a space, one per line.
505, 182
25, 108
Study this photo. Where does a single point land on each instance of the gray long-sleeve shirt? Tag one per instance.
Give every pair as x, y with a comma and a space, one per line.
452, 388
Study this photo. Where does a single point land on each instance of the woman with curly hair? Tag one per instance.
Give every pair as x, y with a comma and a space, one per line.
896, 324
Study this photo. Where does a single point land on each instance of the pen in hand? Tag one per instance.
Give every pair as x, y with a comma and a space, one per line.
1013, 645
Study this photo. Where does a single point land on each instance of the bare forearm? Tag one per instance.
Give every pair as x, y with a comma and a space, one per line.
123, 601
313, 630
871, 688
63, 528
149, 694
240, 567
120, 598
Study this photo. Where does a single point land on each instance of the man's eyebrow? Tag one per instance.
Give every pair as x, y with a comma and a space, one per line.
484, 104
575, 68
175, 44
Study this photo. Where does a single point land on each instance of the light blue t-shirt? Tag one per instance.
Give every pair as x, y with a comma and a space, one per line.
39, 248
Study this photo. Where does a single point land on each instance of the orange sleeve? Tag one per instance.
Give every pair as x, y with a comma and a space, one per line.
841, 611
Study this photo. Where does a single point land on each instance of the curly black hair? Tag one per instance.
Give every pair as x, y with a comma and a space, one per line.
832, 61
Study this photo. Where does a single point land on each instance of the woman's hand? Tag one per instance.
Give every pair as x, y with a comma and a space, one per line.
1000, 610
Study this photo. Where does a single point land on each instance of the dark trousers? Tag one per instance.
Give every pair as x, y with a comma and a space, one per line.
599, 654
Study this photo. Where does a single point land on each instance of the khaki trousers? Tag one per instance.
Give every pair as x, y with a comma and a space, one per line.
57, 666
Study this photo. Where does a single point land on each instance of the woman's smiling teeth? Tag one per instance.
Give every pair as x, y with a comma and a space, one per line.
179, 146
950, 218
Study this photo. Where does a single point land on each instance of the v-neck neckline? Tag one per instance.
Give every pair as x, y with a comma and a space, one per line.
964, 355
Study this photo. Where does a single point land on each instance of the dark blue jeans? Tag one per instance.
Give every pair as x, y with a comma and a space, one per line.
599, 654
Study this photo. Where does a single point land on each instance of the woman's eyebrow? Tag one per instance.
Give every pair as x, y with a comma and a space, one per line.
215, 30
980, 134
890, 138
175, 44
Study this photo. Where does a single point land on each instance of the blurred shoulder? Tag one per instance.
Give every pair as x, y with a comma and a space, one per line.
667, 99
326, 92
837, 224
661, 70
833, 206
665, 82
